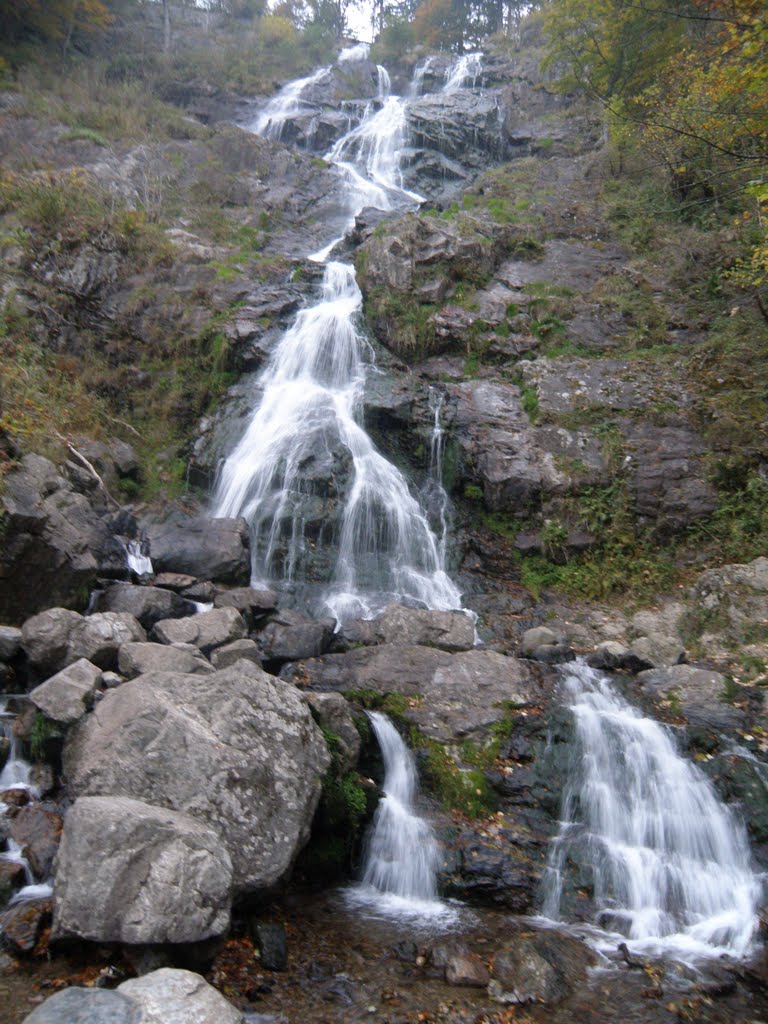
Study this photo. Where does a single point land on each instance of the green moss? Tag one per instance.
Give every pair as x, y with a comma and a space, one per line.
459, 788
43, 730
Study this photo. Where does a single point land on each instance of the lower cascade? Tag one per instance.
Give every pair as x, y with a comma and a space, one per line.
401, 860
669, 863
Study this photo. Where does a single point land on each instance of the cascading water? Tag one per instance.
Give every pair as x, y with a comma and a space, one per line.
309, 414
401, 859
16, 773
284, 105
434, 496
670, 863
467, 66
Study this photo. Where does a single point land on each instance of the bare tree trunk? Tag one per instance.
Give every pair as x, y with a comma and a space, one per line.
166, 26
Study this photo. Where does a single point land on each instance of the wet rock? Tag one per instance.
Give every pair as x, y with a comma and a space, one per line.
22, 925
656, 651
610, 655
251, 603
553, 654
290, 636
211, 549
53, 538
206, 630
58, 637
335, 714
230, 653
698, 692
502, 452
12, 878
67, 696
171, 996
86, 1006
38, 832
539, 967
134, 659
272, 944
176, 581
669, 475
10, 642
148, 604
467, 971
462, 693
237, 750
534, 638
130, 872
448, 631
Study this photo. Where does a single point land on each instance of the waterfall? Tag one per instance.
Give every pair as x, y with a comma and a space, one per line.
16, 773
401, 859
284, 105
137, 559
670, 863
311, 396
470, 65
433, 493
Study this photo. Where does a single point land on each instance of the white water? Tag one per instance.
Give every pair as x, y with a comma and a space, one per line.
285, 104
310, 409
671, 863
467, 66
136, 558
401, 859
16, 772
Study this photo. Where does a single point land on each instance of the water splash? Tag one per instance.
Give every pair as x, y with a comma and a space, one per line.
670, 863
401, 860
137, 558
16, 773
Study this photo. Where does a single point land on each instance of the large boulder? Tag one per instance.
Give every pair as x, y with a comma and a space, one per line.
449, 631
172, 996
211, 549
58, 637
462, 695
129, 872
86, 1006
289, 636
207, 630
148, 604
237, 750
66, 696
167, 996
135, 659
52, 538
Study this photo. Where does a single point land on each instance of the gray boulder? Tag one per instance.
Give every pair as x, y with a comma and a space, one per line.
290, 635
449, 631
335, 714
237, 750
148, 604
210, 549
698, 692
134, 659
230, 653
66, 696
206, 630
533, 639
247, 599
53, 539
171, 996
539, 967
10, 642
129, 872
462, 693
86, 1006
58, 637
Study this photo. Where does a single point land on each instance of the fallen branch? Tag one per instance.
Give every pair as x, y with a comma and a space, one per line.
88, 465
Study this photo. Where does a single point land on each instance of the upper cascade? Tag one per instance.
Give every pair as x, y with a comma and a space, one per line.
670, 864
305, 474
467, 66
